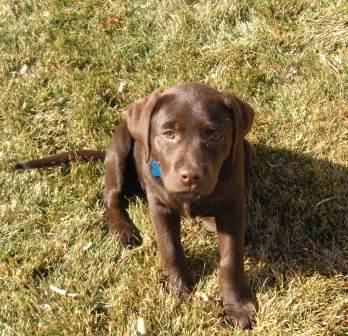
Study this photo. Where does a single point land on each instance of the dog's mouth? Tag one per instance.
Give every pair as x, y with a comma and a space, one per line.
193, 192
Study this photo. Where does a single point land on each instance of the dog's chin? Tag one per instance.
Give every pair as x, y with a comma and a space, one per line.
188, 197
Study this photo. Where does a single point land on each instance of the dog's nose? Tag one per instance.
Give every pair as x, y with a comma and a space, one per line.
189, 177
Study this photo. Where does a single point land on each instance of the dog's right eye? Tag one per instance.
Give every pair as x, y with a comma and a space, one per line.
169, 134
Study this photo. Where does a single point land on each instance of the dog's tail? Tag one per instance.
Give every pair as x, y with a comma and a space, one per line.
61, 158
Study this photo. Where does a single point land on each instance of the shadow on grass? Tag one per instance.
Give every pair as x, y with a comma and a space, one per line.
297, 219
297, 215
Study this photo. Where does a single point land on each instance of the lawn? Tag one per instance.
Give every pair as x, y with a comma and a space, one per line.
67, 71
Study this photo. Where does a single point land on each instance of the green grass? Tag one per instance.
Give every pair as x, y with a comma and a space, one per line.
288, 59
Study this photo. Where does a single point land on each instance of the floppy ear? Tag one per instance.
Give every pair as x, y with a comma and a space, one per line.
138, 119
243, 116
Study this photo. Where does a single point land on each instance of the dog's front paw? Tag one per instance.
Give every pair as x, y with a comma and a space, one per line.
130, 237
127, 233
240, 314
176, 284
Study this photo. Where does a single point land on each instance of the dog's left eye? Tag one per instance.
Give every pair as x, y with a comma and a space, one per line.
215, 135
169, 134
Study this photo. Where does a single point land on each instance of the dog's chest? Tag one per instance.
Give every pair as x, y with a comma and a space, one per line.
200, 207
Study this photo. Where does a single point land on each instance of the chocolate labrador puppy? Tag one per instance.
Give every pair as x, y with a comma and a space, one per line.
186, 147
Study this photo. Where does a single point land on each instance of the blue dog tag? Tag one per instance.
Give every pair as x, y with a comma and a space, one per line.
155, 169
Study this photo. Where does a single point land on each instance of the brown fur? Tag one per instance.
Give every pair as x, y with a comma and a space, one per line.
196, 134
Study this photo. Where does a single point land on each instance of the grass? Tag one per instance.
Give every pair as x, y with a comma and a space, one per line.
288, 59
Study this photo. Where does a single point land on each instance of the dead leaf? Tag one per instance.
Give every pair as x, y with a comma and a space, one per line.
110, 22
291, 73
120, 86
24, 69
204, 297
87, 246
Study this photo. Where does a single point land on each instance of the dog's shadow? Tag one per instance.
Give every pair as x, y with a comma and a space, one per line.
297, 219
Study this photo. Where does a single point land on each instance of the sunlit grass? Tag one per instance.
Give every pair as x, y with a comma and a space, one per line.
60, 62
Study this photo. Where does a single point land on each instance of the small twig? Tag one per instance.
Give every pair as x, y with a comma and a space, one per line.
330, 63
325, 200
62, 292
141, 327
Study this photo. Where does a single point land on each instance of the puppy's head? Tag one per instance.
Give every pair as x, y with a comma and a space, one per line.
190, 130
